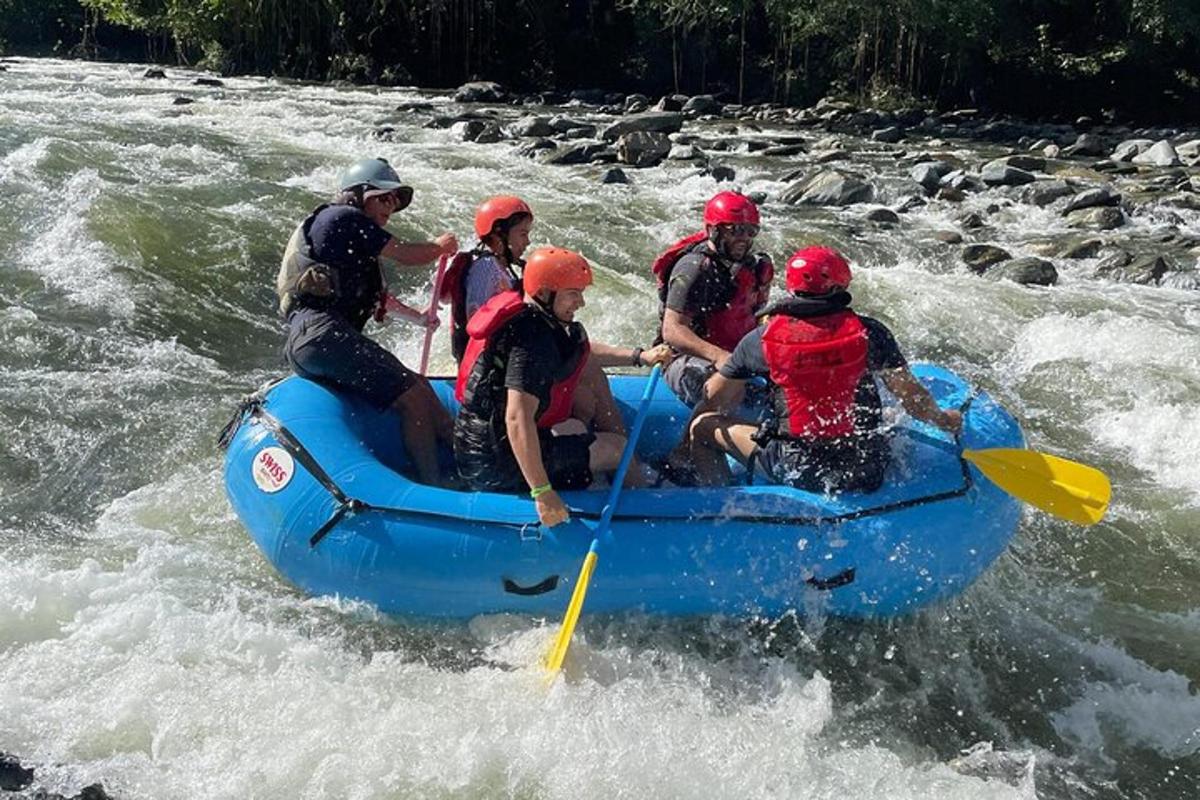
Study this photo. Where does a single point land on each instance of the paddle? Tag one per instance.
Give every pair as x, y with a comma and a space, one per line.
1068, 490
554, 658
431, 316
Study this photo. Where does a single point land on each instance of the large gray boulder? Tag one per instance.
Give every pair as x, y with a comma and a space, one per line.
1093, 198
1129, 148
1088, 144
1027, 270
579, 153
481, 92
643, 148
998, 173
657, 121
1103, 218
978, 257
889, 135
1147, 270
929, 174
1043, 193
830, 188
701, 104
532, 126
1161, 154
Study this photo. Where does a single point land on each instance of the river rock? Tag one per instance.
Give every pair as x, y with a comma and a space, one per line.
1043, 193
636, 103
721, 173
208, 82
959, 179
1092, 198
480, 92
657, 121
970, 220
829, 156
998, 173
683, 152
950, 194
1088, 248
1147, 270
702, 104
579, 153
643, 148
1104, 218
561, 123
154, 72
1129, 148
614, 175
889, 135
978, 257
830, 188
1021, 162
1189, 152
929, 174
883, 216
1052, 151
1161, 154
784, 150
13, 776
532, 126
1027, 270
187, 101
1088, 144
669, 103
908, 203
534, 146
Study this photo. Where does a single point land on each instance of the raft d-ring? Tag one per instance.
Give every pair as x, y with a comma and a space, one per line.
536, 536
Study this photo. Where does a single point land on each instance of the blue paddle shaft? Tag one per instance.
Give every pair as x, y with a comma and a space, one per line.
627, 456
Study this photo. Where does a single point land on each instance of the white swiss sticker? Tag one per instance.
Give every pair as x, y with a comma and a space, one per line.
273, 469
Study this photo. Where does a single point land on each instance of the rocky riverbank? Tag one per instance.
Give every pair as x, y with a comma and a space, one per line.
1100, 178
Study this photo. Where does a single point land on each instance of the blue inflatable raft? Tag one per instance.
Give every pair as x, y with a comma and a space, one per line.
317, 479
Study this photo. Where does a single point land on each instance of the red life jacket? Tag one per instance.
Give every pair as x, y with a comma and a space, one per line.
724, 327
815, 366
454, 292
484, 329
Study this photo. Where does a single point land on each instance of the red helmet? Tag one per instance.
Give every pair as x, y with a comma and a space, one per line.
730, 208
817, 270
496, 209
555, 269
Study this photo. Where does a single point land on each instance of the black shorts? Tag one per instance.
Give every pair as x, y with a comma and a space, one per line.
841, 466
325, 348
487, 464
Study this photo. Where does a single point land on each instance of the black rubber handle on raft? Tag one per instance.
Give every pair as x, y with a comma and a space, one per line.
548, 585
843, 578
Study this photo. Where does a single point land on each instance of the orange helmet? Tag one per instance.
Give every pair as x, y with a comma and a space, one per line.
497, 209
555, 269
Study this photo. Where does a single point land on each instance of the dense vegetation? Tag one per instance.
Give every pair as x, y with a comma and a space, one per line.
1038, 57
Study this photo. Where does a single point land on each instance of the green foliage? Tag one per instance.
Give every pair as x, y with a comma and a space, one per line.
894, 52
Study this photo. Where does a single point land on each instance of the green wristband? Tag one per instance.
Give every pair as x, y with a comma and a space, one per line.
538, 491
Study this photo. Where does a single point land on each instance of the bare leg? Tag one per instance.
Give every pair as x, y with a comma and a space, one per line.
594, 403
712, 437
604, 455
423, 422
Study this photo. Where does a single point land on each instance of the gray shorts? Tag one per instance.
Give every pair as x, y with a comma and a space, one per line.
686, 376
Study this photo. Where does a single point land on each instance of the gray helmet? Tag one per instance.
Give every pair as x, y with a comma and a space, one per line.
376, 176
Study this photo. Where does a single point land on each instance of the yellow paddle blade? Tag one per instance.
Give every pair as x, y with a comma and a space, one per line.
1067, 489
558, 652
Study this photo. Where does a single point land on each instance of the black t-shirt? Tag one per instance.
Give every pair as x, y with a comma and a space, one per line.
748, 360
349, 241
539, 352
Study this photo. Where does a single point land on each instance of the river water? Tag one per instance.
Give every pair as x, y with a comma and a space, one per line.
146, 644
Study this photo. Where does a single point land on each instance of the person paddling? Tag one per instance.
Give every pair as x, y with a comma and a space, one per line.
710, 286
824, 427
517, 384
503, 224
331, 283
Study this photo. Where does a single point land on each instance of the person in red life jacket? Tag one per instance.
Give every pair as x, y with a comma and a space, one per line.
516, 387
710, 286
824, 428
503, 224
331, 282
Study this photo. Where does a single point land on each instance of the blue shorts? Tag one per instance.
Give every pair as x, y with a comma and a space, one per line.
326, 348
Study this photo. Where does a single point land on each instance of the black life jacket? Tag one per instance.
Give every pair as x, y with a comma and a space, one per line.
480, 383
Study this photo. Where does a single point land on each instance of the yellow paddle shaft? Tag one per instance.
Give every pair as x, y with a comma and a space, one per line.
557, 653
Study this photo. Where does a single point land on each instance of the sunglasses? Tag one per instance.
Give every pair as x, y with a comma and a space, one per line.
741, 229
